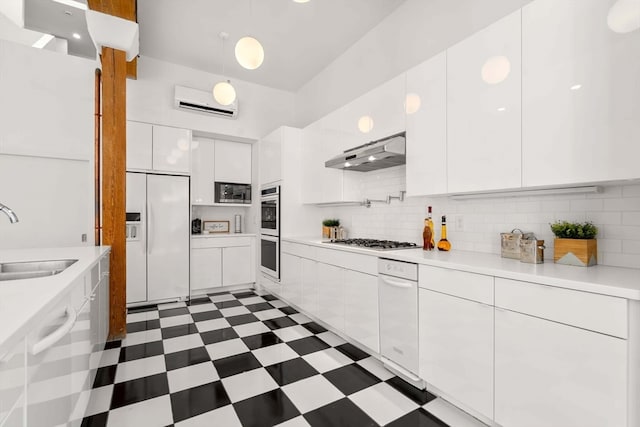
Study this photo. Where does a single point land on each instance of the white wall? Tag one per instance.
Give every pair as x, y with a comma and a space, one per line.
414, 32
616, 212
150, 99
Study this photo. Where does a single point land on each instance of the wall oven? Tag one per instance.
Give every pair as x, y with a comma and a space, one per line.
270, 231
270, 210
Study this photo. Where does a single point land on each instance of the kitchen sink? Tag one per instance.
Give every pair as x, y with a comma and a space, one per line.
33, 269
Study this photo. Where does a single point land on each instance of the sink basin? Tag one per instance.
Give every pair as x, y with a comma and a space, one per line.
32, 269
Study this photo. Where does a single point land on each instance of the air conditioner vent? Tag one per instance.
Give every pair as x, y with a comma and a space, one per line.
203, 102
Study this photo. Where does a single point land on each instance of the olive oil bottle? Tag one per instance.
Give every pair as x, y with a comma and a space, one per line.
443, 243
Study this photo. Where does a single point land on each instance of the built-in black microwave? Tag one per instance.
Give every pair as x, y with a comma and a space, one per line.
229, 192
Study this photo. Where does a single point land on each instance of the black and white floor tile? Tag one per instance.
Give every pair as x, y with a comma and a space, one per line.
248, 359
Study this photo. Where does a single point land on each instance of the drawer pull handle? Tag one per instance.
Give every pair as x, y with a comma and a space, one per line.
55, 336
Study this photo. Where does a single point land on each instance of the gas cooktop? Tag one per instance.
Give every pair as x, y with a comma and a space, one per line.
381, 245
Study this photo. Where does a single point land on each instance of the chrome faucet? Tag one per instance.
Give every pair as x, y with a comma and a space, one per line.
8, 212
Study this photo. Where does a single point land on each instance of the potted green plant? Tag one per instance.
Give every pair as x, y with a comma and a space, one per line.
575, 243
327, 224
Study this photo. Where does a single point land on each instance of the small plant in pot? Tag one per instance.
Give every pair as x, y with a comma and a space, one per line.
327, 225
575, 243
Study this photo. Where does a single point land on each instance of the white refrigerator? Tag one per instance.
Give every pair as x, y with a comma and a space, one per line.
158, 233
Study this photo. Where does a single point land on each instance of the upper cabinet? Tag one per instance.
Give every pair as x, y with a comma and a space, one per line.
426, 117
270, 149
171, 149
580, 94
139, 145
158, 148
202, 171
232, 162
483, 109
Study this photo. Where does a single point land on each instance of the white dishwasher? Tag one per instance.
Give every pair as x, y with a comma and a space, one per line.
398, 302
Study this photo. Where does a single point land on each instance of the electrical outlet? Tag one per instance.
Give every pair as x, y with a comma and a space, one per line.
84, 237
459, 222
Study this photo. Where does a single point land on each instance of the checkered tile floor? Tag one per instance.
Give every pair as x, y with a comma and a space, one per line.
245, 359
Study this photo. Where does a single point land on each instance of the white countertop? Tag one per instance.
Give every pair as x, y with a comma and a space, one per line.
214, 235
614, 281
23, 302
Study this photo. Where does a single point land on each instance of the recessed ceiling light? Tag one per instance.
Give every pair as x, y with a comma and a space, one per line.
502, 109
42, 41
73, 3
76, 36
301, 1
372, 158
575, 87
347, 164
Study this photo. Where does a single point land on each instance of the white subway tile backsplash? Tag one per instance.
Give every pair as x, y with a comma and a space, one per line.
616, 212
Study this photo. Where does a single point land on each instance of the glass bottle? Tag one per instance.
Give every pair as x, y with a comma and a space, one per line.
432, 228
443, 244
427, 236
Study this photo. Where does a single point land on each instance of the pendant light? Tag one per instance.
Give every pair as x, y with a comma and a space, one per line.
223, 92
249, 51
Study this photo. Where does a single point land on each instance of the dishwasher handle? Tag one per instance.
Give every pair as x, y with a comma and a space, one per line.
54, 337
396, 283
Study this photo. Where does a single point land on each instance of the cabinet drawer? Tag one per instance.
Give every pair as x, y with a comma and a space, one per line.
352, 261
220, 242
304, 251
600, 313
475, 287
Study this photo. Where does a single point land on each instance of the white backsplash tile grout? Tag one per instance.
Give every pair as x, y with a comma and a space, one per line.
616, 212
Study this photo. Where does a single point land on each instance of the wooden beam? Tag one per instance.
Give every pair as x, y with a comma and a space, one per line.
126, 9
114, 153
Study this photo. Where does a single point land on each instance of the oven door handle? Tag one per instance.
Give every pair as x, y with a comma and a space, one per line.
273, 198
269, 238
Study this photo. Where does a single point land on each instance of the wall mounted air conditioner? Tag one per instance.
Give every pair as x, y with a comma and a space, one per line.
202, 101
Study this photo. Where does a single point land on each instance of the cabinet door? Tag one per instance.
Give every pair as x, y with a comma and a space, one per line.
580, 94
206, 268
309, 286
291, 278
171, 148
361, 308
483, 109
232, 162
12, 385
426, 113
139, 145
331, 295
456, 348
270, 148
234, 265
550, 374
202, 171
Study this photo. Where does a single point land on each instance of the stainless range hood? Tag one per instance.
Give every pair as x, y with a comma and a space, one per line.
380, 154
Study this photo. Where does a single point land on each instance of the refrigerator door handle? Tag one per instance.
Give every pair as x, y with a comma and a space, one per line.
149, 228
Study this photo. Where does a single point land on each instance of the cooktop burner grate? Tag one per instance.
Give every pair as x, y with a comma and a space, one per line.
375, 244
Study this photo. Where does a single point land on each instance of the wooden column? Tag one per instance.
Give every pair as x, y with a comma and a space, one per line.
114, 107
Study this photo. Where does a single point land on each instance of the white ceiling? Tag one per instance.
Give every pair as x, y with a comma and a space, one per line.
299, 40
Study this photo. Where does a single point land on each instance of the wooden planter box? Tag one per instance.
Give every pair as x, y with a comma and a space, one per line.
580, 252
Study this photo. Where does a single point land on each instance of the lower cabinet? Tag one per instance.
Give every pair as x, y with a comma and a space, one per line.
456, 348
553, 375
331, 295
291, 278
12, 383
221, 261
361, 308
310, 284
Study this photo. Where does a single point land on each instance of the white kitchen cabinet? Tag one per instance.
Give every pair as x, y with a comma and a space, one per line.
47, 105
206, 268
171, 148
580, 95
12, 386
235, 270
221, 261
550, 374
376, 114
484, 109
310, 284
426, 121
232, 162
291, 278
270, 157
361, 320
456, 348
322, 140
202, 171
139, 145
331, 295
